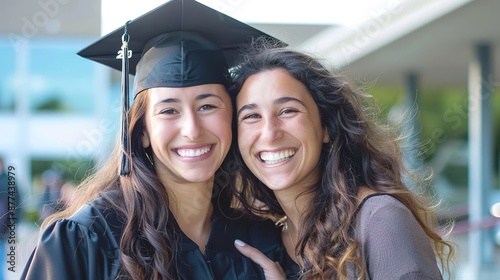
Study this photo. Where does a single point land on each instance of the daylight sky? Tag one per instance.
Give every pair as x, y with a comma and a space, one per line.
115, 13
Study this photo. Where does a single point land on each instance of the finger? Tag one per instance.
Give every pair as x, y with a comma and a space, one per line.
254, 254
272, 270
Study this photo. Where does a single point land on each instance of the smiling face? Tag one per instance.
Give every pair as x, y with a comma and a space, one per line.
280, 135
189, 131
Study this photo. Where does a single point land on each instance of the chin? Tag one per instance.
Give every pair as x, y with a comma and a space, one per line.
277, 186
197, 177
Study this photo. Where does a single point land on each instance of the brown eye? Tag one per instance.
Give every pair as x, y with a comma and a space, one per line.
288, 111
250, 116
168, 111
207, 107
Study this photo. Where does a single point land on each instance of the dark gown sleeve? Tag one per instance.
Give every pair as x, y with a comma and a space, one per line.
80, 247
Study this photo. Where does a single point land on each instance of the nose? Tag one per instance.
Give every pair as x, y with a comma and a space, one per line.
271, 130
191, 126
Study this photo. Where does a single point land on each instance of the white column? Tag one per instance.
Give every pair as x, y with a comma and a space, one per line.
412, 125
481, 245
21, 153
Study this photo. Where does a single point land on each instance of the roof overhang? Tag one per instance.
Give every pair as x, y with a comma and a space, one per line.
436, 41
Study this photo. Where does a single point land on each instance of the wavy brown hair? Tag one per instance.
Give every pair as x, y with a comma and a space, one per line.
361, 152
148, 243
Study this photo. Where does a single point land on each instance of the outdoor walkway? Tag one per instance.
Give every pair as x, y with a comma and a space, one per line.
27, 236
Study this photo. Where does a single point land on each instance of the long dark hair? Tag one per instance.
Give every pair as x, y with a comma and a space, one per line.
149, 239
361, 152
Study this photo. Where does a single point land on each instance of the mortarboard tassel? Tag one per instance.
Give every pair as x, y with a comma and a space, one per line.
125, 54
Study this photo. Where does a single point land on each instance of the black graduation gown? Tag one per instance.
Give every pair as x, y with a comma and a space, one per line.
85, 246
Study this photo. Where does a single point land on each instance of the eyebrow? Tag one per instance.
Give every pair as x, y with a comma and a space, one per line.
286, 99
207, 95
199, 97
281, 100
246, 107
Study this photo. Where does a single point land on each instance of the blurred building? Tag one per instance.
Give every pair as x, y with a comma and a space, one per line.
58, 107
54, 105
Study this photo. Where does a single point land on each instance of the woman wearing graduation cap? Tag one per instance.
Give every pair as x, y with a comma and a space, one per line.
156, 209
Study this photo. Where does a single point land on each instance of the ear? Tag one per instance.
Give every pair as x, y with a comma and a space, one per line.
326, 136
145, 139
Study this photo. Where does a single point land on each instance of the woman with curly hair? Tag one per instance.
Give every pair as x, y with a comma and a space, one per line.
313, 155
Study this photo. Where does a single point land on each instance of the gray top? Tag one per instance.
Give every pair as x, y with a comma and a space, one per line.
393, 244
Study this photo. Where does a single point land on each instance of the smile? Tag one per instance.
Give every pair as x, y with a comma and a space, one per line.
190, 153
276, 157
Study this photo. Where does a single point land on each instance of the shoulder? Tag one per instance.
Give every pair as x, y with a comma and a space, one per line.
97, 210
392, 242
382, 215
74, 244
94, 219
380, 203
87, 229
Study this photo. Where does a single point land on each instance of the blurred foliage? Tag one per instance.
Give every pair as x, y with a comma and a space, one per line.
31, 216
443, 114
70, 170
456, 175
50, 104
387, 98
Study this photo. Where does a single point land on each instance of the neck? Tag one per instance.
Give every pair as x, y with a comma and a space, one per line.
294, 204
191, 205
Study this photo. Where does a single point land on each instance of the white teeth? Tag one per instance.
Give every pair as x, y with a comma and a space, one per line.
193, 152
273, 158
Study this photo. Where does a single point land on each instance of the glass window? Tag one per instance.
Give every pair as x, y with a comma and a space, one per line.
60, 80
7, 60
49, 74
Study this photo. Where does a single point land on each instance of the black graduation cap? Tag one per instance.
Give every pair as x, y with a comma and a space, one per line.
178, 44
